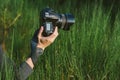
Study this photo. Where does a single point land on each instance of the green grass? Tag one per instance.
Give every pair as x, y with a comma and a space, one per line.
89, 51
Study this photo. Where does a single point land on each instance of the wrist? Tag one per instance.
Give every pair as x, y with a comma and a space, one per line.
36, 54
30, 63
40, 46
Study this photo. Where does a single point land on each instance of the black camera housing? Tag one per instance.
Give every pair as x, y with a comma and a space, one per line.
49, 19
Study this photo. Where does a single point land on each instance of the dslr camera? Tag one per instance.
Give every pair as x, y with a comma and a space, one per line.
49, 19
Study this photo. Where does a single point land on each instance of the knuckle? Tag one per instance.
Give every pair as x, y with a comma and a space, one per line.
55, 34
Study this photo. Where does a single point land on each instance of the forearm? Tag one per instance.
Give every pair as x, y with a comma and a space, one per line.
29, 60
24, 70
36, 51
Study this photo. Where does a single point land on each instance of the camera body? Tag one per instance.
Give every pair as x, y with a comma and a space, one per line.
50, 19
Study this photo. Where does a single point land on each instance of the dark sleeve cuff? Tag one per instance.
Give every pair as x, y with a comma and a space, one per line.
23, 71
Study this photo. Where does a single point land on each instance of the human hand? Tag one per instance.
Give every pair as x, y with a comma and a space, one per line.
39, 43
44, 42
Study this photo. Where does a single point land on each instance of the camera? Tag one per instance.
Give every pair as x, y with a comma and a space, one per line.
49, 19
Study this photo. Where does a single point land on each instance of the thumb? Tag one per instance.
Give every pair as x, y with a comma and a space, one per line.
40, 32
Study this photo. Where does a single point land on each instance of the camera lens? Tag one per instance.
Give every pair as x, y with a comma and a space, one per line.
65, 21
69, 21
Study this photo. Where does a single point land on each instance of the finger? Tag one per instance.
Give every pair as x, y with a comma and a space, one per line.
55, 33
56, 30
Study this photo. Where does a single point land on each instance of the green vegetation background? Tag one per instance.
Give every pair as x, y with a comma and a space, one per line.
89, 51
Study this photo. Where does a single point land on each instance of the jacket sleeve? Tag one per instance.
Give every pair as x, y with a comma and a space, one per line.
23, 71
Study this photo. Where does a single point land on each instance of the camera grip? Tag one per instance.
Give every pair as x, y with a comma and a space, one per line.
48, 28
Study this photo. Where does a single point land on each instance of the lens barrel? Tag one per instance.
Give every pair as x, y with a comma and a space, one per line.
69, 21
